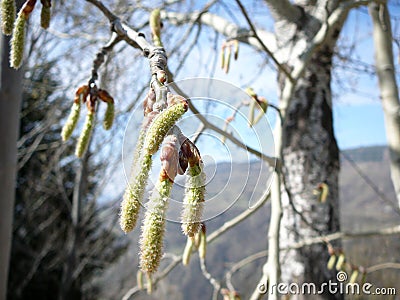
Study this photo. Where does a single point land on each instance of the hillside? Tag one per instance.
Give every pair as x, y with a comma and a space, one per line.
361, 209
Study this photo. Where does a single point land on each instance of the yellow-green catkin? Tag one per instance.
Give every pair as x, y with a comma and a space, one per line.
109, 116
18, 41
134, 192
354, 276
324, 192
340, 261
151, 242
71, 121
222, 57
203, 243
193, 202
227, 61
84, 138
8, 11
331, 262
155, 25
133, 195
187, 252
45, 16
161, 125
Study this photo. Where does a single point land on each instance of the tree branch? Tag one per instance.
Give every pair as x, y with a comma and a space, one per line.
226, 28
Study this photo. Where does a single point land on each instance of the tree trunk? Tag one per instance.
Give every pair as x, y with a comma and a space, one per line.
382, 33
10, 101
310, 157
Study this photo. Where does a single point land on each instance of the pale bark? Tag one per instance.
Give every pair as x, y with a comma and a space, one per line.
310, 152
10, 101
382, 33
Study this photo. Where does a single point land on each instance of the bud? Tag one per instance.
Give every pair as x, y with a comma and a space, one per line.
161, 125
45, 14
18, 41
8, 11
193, 203
133, 195
153, 228
169, 156
187, 252
109, 116
84, 138
71, 121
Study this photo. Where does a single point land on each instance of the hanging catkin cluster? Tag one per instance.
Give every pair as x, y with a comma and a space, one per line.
89, 95
16, 26
178, 155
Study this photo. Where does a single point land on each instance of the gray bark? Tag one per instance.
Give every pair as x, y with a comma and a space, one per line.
382, 33
10, 101
310, 154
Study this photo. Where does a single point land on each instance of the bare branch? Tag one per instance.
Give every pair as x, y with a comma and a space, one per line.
223, 26
210, 278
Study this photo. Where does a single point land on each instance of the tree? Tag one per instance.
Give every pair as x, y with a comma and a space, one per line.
10, 101
55, 253
388, 85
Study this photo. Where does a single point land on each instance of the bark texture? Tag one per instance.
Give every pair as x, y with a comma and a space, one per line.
310, 152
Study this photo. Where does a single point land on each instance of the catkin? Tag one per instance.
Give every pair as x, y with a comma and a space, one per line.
153, 228
161, 125
193, 202
8, 11
71, 121
84, 138
18, 41
109, 116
